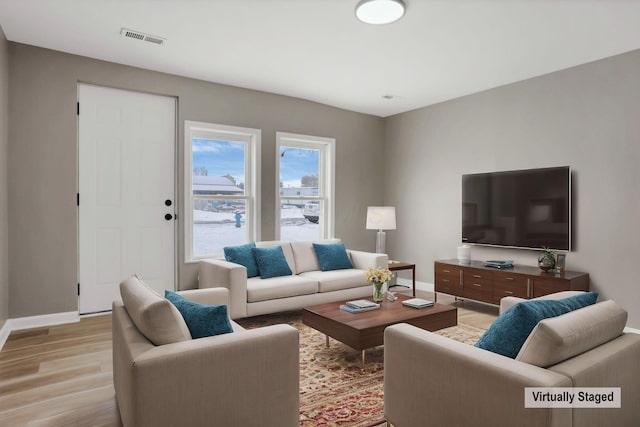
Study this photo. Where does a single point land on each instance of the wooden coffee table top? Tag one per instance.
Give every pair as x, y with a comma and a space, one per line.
365, 330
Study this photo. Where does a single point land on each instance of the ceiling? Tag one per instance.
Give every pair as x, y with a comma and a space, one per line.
318, 50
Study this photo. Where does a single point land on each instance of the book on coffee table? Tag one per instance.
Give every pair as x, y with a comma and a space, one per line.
351, 309
362, 303
418, 303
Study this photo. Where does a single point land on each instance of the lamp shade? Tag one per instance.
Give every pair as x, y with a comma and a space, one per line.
381, 218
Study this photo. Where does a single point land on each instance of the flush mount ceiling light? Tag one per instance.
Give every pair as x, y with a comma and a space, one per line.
380, 11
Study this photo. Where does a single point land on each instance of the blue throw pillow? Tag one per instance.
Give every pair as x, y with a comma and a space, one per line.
510, 330
203, 320
332, 256
271, 262
242, 255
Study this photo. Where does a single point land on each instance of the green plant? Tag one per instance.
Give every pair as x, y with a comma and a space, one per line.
547, 259
548, 253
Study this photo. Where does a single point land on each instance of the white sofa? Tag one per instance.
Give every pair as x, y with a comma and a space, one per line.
308, 285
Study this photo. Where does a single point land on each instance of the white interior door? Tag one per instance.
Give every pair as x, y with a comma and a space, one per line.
126, 181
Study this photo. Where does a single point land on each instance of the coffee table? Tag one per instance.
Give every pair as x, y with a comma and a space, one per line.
361, 331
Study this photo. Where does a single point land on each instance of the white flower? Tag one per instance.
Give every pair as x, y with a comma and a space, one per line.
378, 275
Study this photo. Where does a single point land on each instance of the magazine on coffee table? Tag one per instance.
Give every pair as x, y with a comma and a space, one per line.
418, 303
350, 309
362, 303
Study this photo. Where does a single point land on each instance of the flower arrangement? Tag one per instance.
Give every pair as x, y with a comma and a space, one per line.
378, 275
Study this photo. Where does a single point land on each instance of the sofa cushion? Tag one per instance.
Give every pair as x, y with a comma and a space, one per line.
155, 317
279, 287
510, 330
337, 279
286, 249
560, 338
203, 320
271, 262
305, 255
332, 257
242, 255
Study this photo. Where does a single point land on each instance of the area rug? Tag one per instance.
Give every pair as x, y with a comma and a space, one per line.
335, 390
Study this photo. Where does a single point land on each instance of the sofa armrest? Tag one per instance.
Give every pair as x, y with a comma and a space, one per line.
430, 377
214, 273
227, 380
363, 260
218, 296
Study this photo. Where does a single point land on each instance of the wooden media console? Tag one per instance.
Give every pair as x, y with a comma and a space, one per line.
477, 282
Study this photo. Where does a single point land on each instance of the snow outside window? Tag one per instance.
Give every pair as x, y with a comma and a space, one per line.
305, 200
222, 188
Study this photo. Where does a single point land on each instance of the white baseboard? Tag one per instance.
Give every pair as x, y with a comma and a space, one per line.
423, 286
632, 330
4, 333
36, 322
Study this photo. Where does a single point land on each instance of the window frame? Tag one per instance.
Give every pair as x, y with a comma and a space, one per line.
252, 140
326, 178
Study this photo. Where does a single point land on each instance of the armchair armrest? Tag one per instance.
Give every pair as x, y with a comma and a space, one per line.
508, 302
234, 379
430, 377
213, 273
363, 260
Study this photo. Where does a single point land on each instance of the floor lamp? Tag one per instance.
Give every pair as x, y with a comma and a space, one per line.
381, 218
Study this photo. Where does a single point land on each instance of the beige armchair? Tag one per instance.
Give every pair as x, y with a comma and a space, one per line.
432, 380
244, 378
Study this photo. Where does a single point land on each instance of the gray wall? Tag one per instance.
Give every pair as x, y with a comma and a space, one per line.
42, 153
4, 108
587, 117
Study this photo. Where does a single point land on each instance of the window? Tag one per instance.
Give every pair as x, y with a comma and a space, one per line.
222, 188
305, 168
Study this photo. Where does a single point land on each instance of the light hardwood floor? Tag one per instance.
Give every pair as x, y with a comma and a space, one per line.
62, 375
59, 376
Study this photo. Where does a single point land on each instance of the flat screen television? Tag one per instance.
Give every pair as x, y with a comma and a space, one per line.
521, 209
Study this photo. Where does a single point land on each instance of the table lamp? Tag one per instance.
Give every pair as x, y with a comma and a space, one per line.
381, 218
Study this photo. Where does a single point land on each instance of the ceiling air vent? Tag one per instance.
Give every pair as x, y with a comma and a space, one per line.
142, 36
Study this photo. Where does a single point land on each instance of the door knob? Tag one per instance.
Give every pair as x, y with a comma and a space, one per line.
168, 217
167, 202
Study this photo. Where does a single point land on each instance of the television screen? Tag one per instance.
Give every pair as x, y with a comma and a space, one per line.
526, 208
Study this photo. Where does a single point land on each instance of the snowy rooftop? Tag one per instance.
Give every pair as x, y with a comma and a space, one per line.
215, 185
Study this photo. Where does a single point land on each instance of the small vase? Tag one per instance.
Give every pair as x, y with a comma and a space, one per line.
377, 292
546, 261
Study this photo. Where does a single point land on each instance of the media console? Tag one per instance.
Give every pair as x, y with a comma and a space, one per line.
476, 282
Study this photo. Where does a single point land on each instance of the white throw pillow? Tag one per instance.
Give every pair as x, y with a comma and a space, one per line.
154, 316
560, 338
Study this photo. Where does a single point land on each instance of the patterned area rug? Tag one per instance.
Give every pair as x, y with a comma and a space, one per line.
335, 390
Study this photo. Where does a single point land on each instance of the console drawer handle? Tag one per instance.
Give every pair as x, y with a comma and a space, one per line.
477, 276
508, 278
446, 271
508, 292
476, 284
445, 280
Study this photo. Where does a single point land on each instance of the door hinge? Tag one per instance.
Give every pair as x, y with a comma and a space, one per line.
78, 289
77, 199
78, 108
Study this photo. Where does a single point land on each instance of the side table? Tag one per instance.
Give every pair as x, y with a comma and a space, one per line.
397, 266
